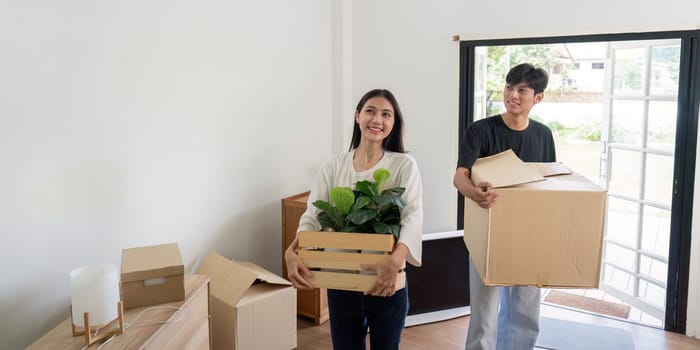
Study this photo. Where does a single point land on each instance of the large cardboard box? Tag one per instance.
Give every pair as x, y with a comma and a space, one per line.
336, 258
251, 308
545, 232
152, 275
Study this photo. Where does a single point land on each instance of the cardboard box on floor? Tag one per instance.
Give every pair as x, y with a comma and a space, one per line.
152, 275
251, 308
542, 231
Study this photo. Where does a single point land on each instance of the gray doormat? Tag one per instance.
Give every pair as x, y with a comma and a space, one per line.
568, 335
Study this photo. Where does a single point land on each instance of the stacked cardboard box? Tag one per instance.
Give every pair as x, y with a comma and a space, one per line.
152, 275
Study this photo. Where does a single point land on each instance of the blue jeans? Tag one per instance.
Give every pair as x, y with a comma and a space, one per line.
353, 314
502, 318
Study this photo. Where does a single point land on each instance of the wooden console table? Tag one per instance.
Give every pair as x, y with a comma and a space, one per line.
188, 329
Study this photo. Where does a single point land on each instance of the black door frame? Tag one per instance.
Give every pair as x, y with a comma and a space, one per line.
685, 149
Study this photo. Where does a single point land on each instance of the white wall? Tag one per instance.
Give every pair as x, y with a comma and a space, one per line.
406, 46
130, 123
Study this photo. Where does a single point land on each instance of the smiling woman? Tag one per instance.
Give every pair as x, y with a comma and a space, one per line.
377, 142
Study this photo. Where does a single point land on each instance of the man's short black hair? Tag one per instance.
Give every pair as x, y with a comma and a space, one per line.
536, 78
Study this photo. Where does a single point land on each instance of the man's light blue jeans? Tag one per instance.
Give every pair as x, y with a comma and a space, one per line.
514, 326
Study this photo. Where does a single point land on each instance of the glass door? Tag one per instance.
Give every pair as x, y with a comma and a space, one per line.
637, 160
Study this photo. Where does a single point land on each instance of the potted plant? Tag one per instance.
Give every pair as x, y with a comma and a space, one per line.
364, 224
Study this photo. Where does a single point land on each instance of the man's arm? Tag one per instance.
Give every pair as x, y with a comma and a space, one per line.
481, 193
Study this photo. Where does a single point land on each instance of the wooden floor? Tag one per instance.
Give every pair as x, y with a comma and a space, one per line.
451, 334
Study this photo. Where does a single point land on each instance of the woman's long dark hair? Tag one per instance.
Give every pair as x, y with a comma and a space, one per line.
393, 142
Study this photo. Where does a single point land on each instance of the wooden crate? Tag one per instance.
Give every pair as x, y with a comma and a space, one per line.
345, 266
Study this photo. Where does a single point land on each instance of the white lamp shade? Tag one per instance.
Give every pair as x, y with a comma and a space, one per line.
94, 289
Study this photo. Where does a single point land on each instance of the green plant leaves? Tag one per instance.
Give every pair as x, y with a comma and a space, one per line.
362, 216
383, 199
381, 228
365, 208
399, 202
323, 205
327, 220
380, 176
396, 191
329, 216
343, 198
360, 203
367, 188
396, 230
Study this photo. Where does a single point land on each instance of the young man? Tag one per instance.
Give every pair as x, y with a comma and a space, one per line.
516, 325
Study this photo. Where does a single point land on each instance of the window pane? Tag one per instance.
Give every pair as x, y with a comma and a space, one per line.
664, 70
581, 156
656, 230
620, 256
653, 268
619, 279
627, 122
624, 172
658, 184
662, 125
629, 72
652, 294
480, 57
622, 221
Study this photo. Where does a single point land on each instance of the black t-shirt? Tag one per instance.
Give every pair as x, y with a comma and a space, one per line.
490, 136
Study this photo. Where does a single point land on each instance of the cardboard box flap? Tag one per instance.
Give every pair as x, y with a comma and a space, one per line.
573, 182
504, 169
261, 292
228, 280
150, 262
550, 169
263, 274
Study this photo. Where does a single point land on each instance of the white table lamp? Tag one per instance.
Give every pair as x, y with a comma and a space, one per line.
95, 301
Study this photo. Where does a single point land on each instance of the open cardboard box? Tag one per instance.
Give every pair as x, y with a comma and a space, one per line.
251, 308
542, 231
152, 275
339, 256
